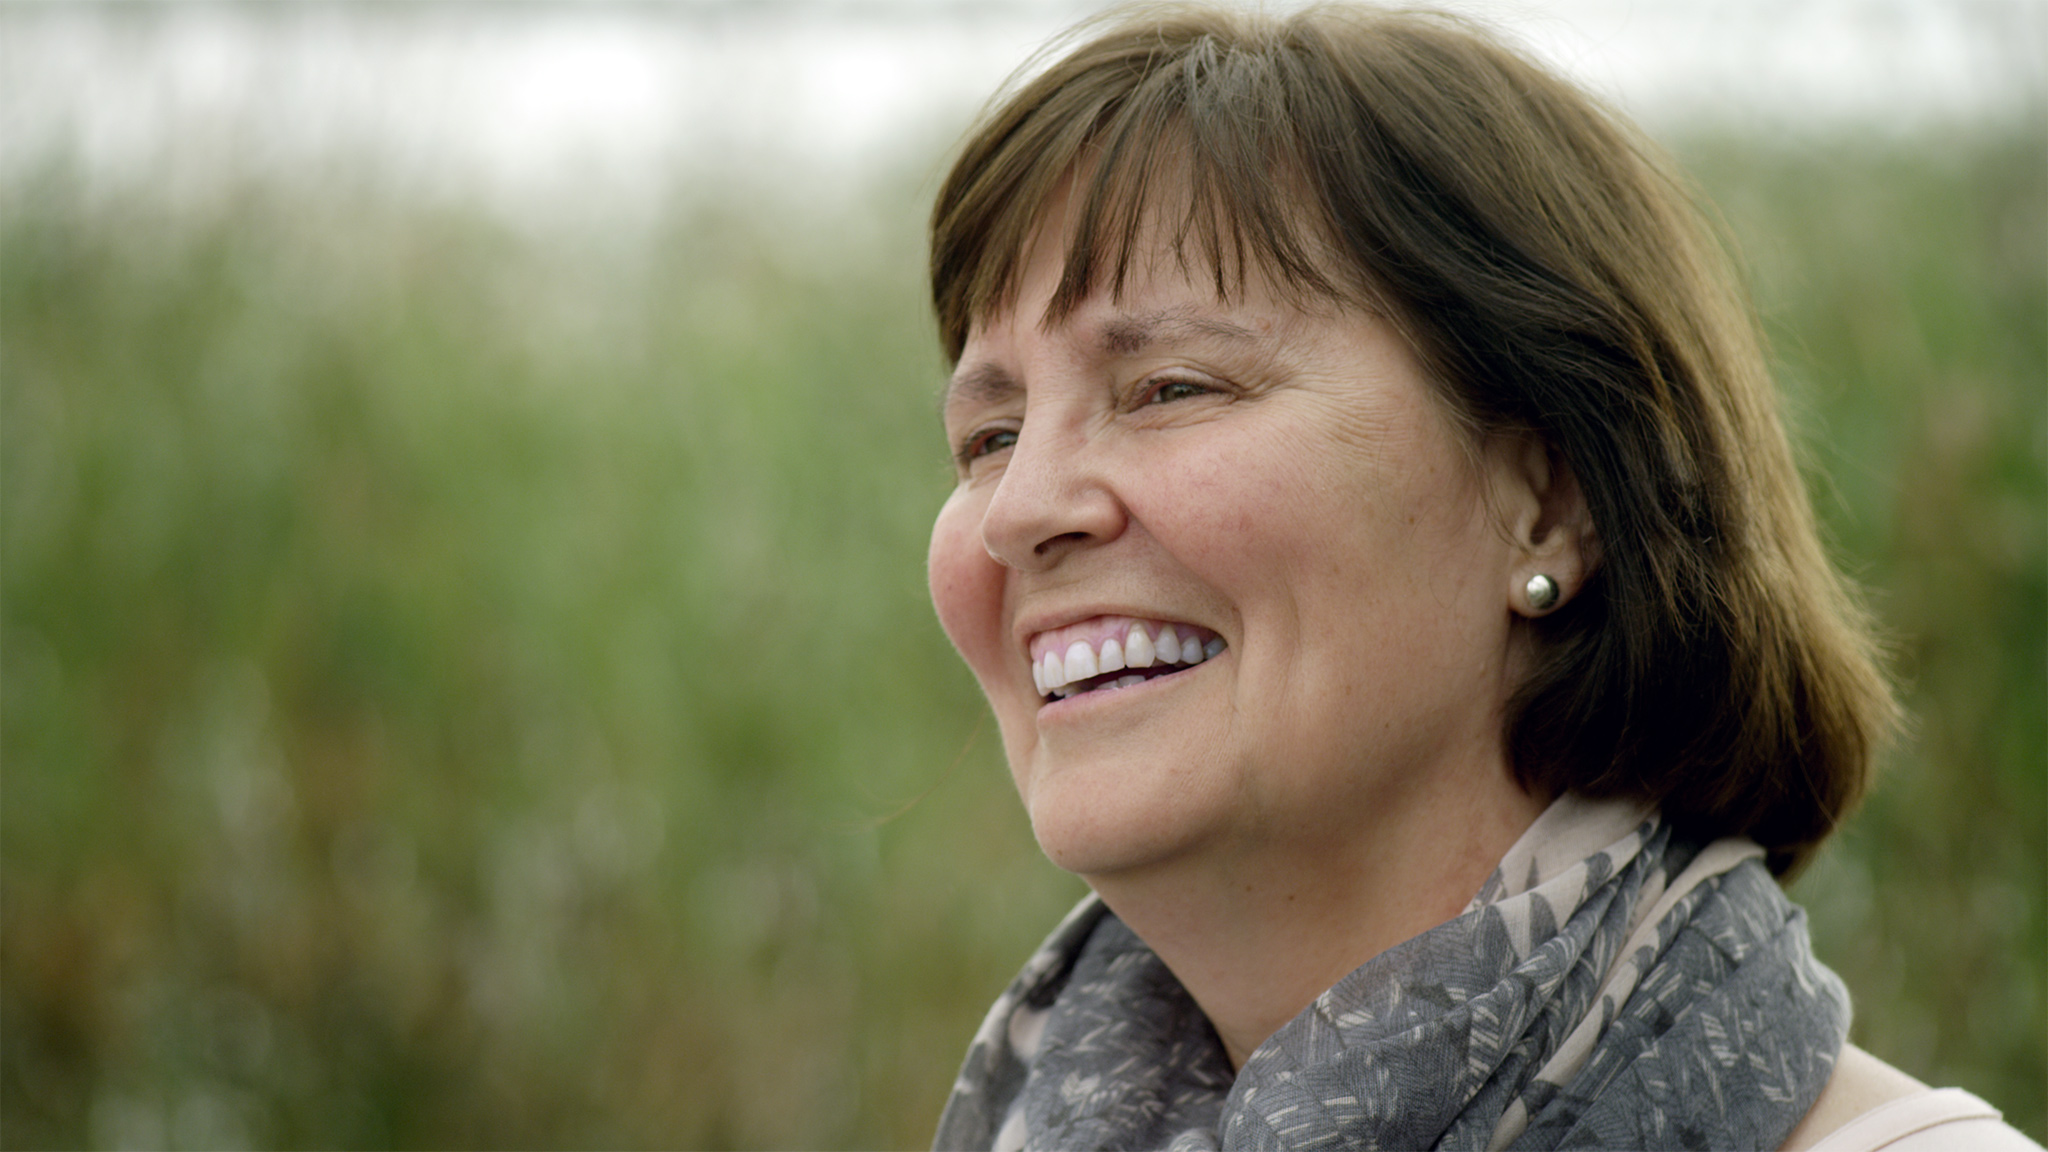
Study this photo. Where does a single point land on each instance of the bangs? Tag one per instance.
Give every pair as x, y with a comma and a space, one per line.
1199, 152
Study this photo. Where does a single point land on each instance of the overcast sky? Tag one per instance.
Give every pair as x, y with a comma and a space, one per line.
519, 98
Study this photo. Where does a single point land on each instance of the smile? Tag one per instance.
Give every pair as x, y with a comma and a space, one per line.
1115, 652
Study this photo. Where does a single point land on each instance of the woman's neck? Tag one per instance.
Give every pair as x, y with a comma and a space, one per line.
1256, 932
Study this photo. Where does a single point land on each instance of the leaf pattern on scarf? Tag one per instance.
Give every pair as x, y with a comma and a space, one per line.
1709, 1025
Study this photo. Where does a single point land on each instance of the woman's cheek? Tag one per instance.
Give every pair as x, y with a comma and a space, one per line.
966, 585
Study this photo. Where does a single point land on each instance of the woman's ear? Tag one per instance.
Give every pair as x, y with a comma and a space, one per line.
1544, 514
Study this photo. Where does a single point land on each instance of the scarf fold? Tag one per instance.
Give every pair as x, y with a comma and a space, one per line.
1610, 986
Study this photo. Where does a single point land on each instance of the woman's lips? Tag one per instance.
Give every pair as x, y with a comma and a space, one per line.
1088, 656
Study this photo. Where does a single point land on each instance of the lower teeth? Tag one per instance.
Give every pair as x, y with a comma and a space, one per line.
1066, 690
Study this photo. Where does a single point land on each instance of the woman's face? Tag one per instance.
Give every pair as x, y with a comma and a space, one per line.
1277, 487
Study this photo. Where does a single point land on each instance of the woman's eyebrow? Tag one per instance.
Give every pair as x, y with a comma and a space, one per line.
1128, 335
1122, 335
982, 383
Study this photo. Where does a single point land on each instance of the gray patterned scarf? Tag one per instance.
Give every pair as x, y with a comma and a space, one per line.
1611, 986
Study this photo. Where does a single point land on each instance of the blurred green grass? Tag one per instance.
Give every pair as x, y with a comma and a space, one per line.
469, 684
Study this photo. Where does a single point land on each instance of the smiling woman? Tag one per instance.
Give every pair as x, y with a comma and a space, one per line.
1376, 539
1271, 496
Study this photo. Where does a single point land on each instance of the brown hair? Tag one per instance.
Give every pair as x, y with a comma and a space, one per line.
1555, 279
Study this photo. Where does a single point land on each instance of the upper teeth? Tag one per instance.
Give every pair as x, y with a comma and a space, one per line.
1139, 648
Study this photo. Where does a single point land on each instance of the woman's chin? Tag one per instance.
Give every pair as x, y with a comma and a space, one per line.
1095, 832
1089, 852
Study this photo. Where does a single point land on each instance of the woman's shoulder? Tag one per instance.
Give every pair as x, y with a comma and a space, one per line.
1870, 1105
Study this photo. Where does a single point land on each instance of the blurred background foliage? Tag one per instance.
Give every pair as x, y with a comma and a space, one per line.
470, 683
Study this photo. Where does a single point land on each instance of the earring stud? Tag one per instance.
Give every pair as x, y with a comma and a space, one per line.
1542, 592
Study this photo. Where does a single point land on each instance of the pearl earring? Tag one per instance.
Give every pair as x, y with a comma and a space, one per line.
1542, 592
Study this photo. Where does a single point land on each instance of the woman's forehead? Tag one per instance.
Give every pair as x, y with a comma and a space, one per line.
1158, 307
1159, 283
1099, 236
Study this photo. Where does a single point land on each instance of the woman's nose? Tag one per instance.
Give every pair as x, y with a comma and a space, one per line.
1054, 498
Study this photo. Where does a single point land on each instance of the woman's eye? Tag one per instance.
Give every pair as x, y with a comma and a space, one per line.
1167, 391
983, 443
